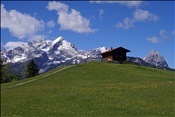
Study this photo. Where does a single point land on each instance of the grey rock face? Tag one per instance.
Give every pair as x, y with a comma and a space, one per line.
49, 54
154, 58
137, 60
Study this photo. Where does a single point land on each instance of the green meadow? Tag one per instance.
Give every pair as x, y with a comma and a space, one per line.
92, 89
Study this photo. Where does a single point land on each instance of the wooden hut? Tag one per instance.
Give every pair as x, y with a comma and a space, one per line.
116, 54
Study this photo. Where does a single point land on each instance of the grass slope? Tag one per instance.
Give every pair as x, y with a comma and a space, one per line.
93, 89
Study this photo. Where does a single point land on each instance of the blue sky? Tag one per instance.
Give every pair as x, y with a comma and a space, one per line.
139, 26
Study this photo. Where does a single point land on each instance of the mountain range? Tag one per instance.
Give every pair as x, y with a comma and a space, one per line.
49, 54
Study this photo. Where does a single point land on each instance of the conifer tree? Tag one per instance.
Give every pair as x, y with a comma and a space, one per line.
2, 74
32, 69
6, 76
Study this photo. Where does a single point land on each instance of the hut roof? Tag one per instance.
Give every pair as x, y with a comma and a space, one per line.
119, 48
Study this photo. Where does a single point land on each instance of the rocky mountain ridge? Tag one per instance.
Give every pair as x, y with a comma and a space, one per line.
154, 58
49, 54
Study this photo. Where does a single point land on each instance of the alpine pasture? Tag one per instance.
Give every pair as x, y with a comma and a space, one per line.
92, 89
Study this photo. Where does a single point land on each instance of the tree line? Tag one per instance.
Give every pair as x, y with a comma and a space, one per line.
30, 70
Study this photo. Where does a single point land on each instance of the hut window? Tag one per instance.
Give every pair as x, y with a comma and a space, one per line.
116, 56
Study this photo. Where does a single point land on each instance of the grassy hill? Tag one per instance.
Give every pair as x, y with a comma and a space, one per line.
92, 89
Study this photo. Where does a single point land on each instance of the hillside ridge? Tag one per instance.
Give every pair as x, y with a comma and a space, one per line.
92, 89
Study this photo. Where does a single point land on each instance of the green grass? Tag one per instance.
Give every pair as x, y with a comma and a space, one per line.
93, 89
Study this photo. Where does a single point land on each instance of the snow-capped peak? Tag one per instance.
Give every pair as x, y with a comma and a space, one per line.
156, 59
49, 54
102, 49
60, 38
154, 52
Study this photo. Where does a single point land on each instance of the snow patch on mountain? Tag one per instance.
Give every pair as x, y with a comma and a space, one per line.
49, 54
